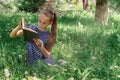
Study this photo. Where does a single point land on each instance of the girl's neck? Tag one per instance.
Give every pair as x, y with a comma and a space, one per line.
42, 29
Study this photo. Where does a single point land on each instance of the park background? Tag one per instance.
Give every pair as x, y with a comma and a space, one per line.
88, 40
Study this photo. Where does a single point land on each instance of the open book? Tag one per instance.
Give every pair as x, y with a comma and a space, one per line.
29, 34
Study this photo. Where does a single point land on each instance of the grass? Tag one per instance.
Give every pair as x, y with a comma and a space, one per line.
92, 50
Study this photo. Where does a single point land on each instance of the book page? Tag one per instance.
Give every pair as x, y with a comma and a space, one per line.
25, 28
30, 30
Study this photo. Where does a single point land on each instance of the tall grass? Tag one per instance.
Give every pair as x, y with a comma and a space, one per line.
90, 49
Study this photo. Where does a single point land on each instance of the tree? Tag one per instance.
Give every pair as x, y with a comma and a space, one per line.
101, 13
85, 4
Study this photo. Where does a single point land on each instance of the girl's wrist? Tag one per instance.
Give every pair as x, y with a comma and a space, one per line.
19, 26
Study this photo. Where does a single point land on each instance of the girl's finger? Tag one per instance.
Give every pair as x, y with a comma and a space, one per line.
37, 40
34, 40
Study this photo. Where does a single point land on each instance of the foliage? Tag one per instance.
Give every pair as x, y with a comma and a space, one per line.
30, 6
8, 5
115, 4
115, 38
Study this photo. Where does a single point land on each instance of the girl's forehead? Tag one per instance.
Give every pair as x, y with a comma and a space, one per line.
44, 18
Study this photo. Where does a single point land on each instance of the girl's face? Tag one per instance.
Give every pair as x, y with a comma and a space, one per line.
43, 22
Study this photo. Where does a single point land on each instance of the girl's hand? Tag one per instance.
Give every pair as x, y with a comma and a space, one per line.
22, 22
38, 42
20, 25
40, 45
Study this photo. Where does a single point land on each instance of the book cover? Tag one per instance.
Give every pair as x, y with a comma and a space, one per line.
29, 34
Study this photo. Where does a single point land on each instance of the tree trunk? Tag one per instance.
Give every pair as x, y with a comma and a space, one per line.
85, 4
101, 13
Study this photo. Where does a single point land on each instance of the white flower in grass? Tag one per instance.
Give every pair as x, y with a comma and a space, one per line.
65, 29
93, 58
116, 66
118, 76
71, 78
80, 25
26, 72
6, 72
118, 54
20, 56
112, 23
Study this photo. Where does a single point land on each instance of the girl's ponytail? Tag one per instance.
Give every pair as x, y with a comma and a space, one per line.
53, 34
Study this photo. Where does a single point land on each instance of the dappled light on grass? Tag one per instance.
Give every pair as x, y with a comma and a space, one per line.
85, 49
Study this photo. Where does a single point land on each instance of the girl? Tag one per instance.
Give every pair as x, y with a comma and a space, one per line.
42, 47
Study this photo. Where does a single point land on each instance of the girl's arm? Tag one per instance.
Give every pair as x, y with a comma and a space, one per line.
16, 32
40, 45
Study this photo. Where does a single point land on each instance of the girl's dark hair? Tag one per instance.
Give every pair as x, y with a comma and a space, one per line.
48, 11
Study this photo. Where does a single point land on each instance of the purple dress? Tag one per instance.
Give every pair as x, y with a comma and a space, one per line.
34, 53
